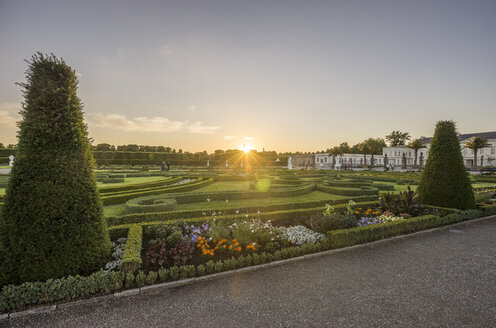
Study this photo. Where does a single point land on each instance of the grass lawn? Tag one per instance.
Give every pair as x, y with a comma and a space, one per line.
129, 181
2, 191
314, 195
114, 210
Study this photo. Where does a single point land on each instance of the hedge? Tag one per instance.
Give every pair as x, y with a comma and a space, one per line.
363, 191
175, 215
348, 237
150, 204
278, 218
15, 297
131, 258
112, 180
184, 198
119, 199
150, 187
108, 190
349, 184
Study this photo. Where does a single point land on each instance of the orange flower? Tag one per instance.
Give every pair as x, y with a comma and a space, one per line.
356, 212
239, 249
216, 247
198, 245
230, 247
204, 252
224, 246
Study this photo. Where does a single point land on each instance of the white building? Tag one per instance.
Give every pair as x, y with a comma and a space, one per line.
405, 157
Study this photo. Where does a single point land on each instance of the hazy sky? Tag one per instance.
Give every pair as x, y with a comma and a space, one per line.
290, 75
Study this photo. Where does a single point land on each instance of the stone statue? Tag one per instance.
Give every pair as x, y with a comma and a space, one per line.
290, 164
227, 163
208, 162
11, 160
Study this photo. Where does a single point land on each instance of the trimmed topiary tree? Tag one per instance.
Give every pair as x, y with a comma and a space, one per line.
445, 181
52, 223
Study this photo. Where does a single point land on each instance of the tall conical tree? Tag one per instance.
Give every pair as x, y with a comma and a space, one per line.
445, 181
52, 223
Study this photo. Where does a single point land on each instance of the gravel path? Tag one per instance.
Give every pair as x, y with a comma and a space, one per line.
446, 278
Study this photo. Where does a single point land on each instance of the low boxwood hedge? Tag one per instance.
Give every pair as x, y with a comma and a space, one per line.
278, 218
149, 204
131, 258
175, 215
362, 191
119, 199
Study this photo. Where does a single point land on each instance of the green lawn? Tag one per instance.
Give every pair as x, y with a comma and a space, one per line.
114, 210
2, 191
128, 181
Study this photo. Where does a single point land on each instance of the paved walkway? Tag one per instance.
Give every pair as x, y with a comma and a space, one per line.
446, 278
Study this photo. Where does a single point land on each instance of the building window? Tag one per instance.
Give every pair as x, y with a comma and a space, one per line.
493, 151
326, 159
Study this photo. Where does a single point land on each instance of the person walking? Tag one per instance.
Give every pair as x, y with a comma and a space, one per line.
168, 166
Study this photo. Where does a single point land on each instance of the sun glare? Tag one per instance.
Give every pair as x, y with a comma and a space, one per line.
246, 148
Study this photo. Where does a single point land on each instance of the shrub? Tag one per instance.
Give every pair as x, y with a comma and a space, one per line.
163, 274
174, 272
201, 269
210, 266
332, 220
131, 259
151, 278
129, 279
140, 278
52, 206
445, 181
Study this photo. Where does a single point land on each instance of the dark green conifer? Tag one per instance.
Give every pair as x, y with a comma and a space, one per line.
52, 223
445, 181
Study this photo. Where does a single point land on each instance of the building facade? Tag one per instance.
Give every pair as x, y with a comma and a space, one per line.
404, 157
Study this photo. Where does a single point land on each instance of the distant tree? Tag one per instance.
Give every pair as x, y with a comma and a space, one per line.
397, 138
11, 146
375, 147
416, 145
161, 149
52, 221
218, 152
335, 151
1, 146
355, 149
445, 181
168, 150
104, 147
475, 144
364, 148
345, 148
180, 151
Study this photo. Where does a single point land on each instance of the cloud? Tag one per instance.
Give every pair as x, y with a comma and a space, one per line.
198, 127
249, 138
229, 137
152, 124
9, 114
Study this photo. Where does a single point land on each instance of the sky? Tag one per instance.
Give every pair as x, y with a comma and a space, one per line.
277, 75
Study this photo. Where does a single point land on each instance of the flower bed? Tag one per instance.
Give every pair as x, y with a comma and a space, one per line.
180, 250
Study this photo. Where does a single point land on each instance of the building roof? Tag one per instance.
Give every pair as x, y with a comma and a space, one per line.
461, 137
